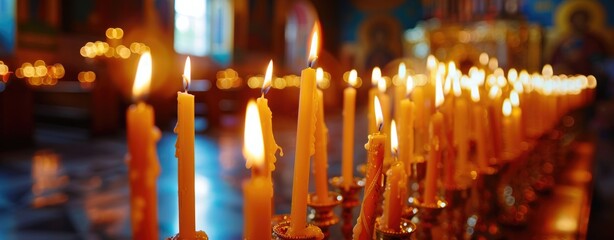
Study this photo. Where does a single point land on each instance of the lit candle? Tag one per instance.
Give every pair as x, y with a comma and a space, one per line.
461, 133
384, 99
143, 159
507, 124
373, 188
376, 74
395, 193
266, 118
517, 118
436, 142
184, 151
304, 144
399, 90
406, 128
420, 124
321, 135
349, 108
479, 126
257, 191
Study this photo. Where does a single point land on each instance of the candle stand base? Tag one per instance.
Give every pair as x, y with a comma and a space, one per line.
279, 218
322, 214
409, 212
200, 235
405, 233
427, 217
280, 232
350, 200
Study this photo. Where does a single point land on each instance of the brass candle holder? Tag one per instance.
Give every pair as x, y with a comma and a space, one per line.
427, 216
280, 232
200, 235
404, 233
279, 218
322, 214
350, 201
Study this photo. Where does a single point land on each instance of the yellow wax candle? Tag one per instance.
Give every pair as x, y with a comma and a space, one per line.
185, 155
421, 126
384, 99
479, 127
395, 196
436, 140
321, 142
266, 118
461, 134
376, 74
143, 159
406, 129
304, 146
517, 119
257, 191
373, 188
349, 108
399, 90
507, 129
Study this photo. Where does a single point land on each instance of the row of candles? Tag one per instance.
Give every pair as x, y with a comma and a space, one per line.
485, 112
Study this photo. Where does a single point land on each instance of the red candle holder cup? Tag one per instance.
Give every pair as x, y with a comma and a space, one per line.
405, 231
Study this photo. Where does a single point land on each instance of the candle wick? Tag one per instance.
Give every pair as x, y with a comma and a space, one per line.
380, 127
264, 90
186, 83
312, 62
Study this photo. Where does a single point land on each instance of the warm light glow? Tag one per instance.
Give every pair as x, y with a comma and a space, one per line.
506, 108
475, 93
268, 76
142, 79
592, 81
379, 117
494, 92
253, 142
409, 85
451, 68
483, 58
441, 69
376, 74
431, 62
519, 87
512, 75
439, 98
493, 63
402, 70
319, 75
352, 79
547, 71
394, 140
313, 49
456, 87
514, 99
187, 76
381, 85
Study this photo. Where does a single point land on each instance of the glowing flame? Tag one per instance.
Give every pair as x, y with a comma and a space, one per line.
483, 58
409, 85
547, 71
431, 62
451, 68
394, 140
379, 117
441, 69
506, 108
494, 92
187, 77
142, 80
402, 70
512, 75
381, 85
456, 87
268, 76
519, 87
592, 81
475, 93
439, 98
253, 142
319, 75
352, 79
376, 74
313, 49
514, 99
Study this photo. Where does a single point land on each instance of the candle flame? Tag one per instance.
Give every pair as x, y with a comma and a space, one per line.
409, 85
352, 79
506, 108
379, 117
402, 70
483, 58
268, 77
142, 80
475, 93
494, 92
313, 49
319, 75
394, 139
381, 85
512, 75
591, 81
187, 77
456, 87
376, 74
519, 87
441, 69
431, 62
451, 68
253, 142
439, 98
514, 99
547, 71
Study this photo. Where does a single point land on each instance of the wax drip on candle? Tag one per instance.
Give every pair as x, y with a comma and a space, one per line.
268, 76
186, 75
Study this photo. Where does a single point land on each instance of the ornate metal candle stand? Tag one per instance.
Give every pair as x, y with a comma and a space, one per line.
279, 218
350, 200
280, 232
404, 233
322, 214
427, 217
200, 235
